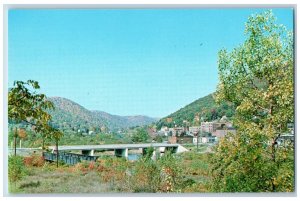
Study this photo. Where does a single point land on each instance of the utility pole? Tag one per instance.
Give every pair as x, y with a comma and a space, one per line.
200, 131
56, 152
198, 140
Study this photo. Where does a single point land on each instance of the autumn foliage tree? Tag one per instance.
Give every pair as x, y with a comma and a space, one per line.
27, 106
257, 77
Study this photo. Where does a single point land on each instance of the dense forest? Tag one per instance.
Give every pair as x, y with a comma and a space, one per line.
203, 109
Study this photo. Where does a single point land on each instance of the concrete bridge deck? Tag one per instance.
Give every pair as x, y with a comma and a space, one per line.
114, 146
121, 150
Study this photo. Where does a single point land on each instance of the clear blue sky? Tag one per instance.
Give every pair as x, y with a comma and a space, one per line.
125, 62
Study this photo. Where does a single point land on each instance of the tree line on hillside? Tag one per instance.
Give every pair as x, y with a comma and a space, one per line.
203, 109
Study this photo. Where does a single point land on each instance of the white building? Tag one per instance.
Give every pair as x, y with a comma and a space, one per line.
207, 139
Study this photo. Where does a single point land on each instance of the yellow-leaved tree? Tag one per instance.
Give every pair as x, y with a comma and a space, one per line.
257, 77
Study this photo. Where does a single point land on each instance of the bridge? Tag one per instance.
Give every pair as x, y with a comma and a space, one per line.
120, 150
68, 158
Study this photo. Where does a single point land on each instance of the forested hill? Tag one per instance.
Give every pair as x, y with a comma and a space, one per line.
204, 107
70, 116
125, 121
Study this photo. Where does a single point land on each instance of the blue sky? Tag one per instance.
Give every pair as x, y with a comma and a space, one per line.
125, 62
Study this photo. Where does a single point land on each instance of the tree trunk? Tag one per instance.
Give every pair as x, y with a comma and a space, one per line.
273, 151
15, 141
274, 143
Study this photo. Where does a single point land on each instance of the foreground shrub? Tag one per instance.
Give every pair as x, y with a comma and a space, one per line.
16, 168
113, 168
146, 176
161, 175
171, 173
34, 161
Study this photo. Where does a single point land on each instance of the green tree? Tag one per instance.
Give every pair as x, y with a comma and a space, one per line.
141, 135
257, 77
158, 138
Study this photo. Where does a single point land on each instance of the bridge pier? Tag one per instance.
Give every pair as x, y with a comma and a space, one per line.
161, 151
171, 149
121, 153
87, 152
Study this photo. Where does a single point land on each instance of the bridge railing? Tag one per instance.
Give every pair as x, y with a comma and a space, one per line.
68, 158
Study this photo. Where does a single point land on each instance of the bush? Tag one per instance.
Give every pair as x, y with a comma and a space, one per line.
171, 173
146, 176
34, 161
113, 169
161, 175
16, 168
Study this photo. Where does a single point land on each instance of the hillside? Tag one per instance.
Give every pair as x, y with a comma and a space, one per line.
70, 116
125, 121
205, 108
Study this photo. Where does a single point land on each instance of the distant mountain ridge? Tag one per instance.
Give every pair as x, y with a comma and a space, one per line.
125, 121
71, 116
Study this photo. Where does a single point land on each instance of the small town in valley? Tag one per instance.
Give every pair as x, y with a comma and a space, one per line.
150, 100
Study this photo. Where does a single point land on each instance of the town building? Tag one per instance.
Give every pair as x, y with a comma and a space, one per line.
164, 129
207, 139
218, 128
194, 130
178, 131
221, 132
180, 140
195, 140
207, 127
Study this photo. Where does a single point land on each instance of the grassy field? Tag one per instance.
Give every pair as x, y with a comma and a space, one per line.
58, 181
185, 172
